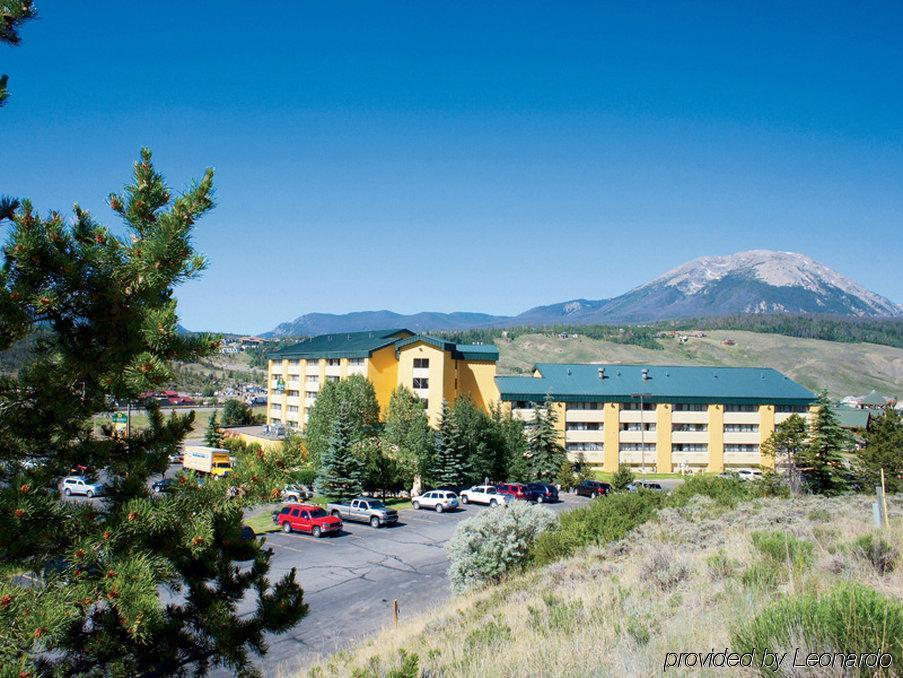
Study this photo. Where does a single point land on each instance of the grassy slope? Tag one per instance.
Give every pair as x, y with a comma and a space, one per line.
617, 610
844, 369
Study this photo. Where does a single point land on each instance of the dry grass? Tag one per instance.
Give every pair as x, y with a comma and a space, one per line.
679, 583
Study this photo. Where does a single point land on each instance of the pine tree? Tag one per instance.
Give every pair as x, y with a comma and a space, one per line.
450, 468
544, 452
212, 435
483, 451
823, 462
13, 13
883, 450
107, 317
341, 473
622, 478
787, 446
512, 461
357, 393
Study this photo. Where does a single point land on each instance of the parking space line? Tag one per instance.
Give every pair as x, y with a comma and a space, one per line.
421, 520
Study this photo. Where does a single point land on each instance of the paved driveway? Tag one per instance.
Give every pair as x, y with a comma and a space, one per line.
350, 579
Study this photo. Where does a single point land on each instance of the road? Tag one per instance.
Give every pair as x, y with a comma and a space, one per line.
350, 580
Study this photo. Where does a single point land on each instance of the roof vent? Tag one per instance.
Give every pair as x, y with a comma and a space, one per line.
601, 373
569, 371
645, 374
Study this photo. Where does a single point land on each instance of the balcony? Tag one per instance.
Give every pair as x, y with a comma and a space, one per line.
744, 437
694, 458
689, 436
594, 416
312, 368
333, 370
741, 417
584, 436
637, 436
681, 417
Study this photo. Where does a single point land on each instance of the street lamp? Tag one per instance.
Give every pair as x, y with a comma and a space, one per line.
642, 397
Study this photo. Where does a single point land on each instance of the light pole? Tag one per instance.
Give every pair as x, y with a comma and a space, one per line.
641, 397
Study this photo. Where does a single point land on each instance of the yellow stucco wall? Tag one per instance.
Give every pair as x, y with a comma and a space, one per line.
382, 371
438, 372
716, 438
477, 378
611, 427
766, 428
560, 410
663, 438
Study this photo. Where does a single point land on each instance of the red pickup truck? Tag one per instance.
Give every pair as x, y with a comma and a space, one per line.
307, 518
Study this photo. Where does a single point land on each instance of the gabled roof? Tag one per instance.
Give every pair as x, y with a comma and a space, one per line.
664, 383
873, 399
488, 352
850, 417
342, 344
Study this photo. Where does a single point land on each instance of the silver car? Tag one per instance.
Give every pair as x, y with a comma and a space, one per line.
438, 500
80, 485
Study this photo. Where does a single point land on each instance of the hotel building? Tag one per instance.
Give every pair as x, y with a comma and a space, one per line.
651, 417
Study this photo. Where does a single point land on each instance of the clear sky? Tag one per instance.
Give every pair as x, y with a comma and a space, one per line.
480, 156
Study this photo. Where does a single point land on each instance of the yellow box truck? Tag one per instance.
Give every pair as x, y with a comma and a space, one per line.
210, 460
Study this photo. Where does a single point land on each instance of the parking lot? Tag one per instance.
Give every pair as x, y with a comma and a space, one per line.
350, 579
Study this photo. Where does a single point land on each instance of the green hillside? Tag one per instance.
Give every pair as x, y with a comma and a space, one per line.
842, 368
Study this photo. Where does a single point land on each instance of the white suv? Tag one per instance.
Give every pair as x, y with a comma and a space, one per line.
78, 485
439, 500
749, 474
485, 494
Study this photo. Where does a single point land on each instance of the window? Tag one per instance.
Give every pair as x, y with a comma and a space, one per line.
698, 428
332, 378
741, 428
275, 406
637, 447
311, 394
305, 515
690, 407
294, 362
295, 512
292, 393
636, 406
582, 426
425, 403
799, 409
741, 408
637, 427
313, 379
275, 420
748, 449
333, 362
690, 447
421, 363
421, 382
357, 362
584, 447
292, 408
524, 404
584, 406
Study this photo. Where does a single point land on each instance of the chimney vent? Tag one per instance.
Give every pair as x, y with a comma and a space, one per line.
601, 373
645, 374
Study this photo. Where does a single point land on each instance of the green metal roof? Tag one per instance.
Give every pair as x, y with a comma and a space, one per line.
487, 352
850, 417
363, 344
873, 399
664, 383
342, 345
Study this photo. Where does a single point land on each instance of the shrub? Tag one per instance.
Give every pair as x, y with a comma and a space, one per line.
781, 547
763, 576
725, 491
488, 633
771, 484
498, 540
604, 520
851, 618
881, 554
664, 571
720, 565
622, 478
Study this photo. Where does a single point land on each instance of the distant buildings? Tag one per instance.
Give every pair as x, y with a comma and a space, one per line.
172, 398
233, 345
871, 401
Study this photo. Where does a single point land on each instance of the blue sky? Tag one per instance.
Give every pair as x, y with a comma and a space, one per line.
482, 156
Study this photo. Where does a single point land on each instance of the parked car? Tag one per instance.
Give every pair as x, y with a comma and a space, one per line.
80, 485
81, 470
544, 492
485, 494
364, 510
296, 493
438, 500
307, 518
175, 458
165, 485
749, 474
645, 485
517, 490
593, 488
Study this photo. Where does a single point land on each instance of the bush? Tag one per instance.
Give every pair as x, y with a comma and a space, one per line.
498, 540
851, 618
237, 413
622, 478
604, 520
725, 491
881, 554
781, 547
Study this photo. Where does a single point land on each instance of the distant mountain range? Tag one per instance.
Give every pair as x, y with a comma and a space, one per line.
758, 281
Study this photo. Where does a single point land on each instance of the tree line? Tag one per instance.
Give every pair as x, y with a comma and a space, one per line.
352, 451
